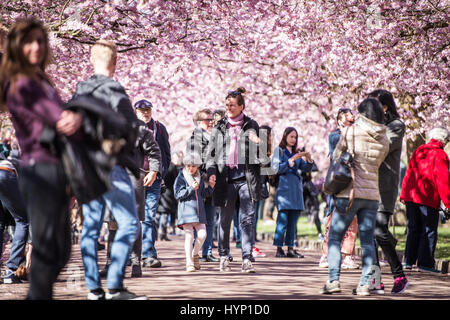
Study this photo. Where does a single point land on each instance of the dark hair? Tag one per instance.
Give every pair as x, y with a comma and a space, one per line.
342, 111
283, 142
14, 63
372, 109
386, 99
269, 139
238, 95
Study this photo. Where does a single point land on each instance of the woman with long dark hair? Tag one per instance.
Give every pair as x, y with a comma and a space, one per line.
33, 102
288, 160
389, 176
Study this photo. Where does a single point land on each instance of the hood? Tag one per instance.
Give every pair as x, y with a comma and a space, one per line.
373, 128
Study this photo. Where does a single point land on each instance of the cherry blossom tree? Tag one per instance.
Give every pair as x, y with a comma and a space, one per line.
300, 61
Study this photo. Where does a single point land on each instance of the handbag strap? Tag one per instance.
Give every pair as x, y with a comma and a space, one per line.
352, 172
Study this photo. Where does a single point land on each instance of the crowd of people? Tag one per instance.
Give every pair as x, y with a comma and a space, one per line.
227, 169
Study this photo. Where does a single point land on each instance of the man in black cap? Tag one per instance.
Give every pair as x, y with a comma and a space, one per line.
152, 193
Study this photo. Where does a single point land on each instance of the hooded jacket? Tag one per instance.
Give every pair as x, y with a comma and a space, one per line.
427, 179
368, 142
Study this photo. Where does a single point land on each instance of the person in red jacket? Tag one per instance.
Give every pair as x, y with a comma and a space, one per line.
425, 185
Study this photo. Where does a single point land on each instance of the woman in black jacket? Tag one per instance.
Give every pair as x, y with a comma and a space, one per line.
389, 176
236, 169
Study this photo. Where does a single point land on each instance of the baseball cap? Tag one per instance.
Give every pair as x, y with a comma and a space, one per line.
143, 104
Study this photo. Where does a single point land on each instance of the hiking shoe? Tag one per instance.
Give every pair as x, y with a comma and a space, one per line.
257, 253
362, 290
374, 289
320, 238
97, 294
10, 277
123, 294
331, 287
323, 262
349, 263
196, 262
247, 266
136, 271
428, 270
407, 266
400, 285
224, 264
151, 262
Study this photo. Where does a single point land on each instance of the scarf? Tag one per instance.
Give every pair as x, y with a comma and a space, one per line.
190, 179
234, 127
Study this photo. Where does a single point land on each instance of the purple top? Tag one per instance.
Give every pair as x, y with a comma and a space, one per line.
32, 105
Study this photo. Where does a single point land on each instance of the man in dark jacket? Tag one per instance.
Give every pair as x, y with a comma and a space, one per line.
152, 192
120, 199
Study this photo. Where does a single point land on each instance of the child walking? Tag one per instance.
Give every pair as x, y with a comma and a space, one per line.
190, 191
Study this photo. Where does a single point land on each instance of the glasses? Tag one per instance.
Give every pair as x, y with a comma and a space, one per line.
208, 119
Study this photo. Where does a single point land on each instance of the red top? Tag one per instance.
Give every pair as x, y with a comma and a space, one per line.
427, 179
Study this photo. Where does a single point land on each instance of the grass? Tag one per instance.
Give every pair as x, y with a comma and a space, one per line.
308, 231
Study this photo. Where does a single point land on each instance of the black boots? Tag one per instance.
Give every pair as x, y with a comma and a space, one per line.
291, 253
280, 253
294, 254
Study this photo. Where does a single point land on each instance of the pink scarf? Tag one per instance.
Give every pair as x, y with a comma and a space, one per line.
234, 127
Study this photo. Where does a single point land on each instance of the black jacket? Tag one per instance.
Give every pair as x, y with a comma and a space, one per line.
148, 148
112, 94
167, 201
216, 160
162, 138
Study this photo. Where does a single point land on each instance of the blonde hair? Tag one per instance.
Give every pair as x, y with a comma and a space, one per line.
104, 52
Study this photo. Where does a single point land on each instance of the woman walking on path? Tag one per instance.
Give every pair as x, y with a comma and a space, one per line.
389, 176
233, 161
190, 192
34, 103
368, 142
289, 197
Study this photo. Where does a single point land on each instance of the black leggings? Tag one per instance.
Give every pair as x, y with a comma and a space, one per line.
387, 242
44, 189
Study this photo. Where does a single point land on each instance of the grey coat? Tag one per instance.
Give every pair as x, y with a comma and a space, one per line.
191, 207
389, 172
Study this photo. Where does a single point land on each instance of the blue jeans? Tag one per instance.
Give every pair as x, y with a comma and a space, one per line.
366, 213
236, 228
421, 237
286, 225
237, 193
149, 226
210, 217
122, 203
11, 200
